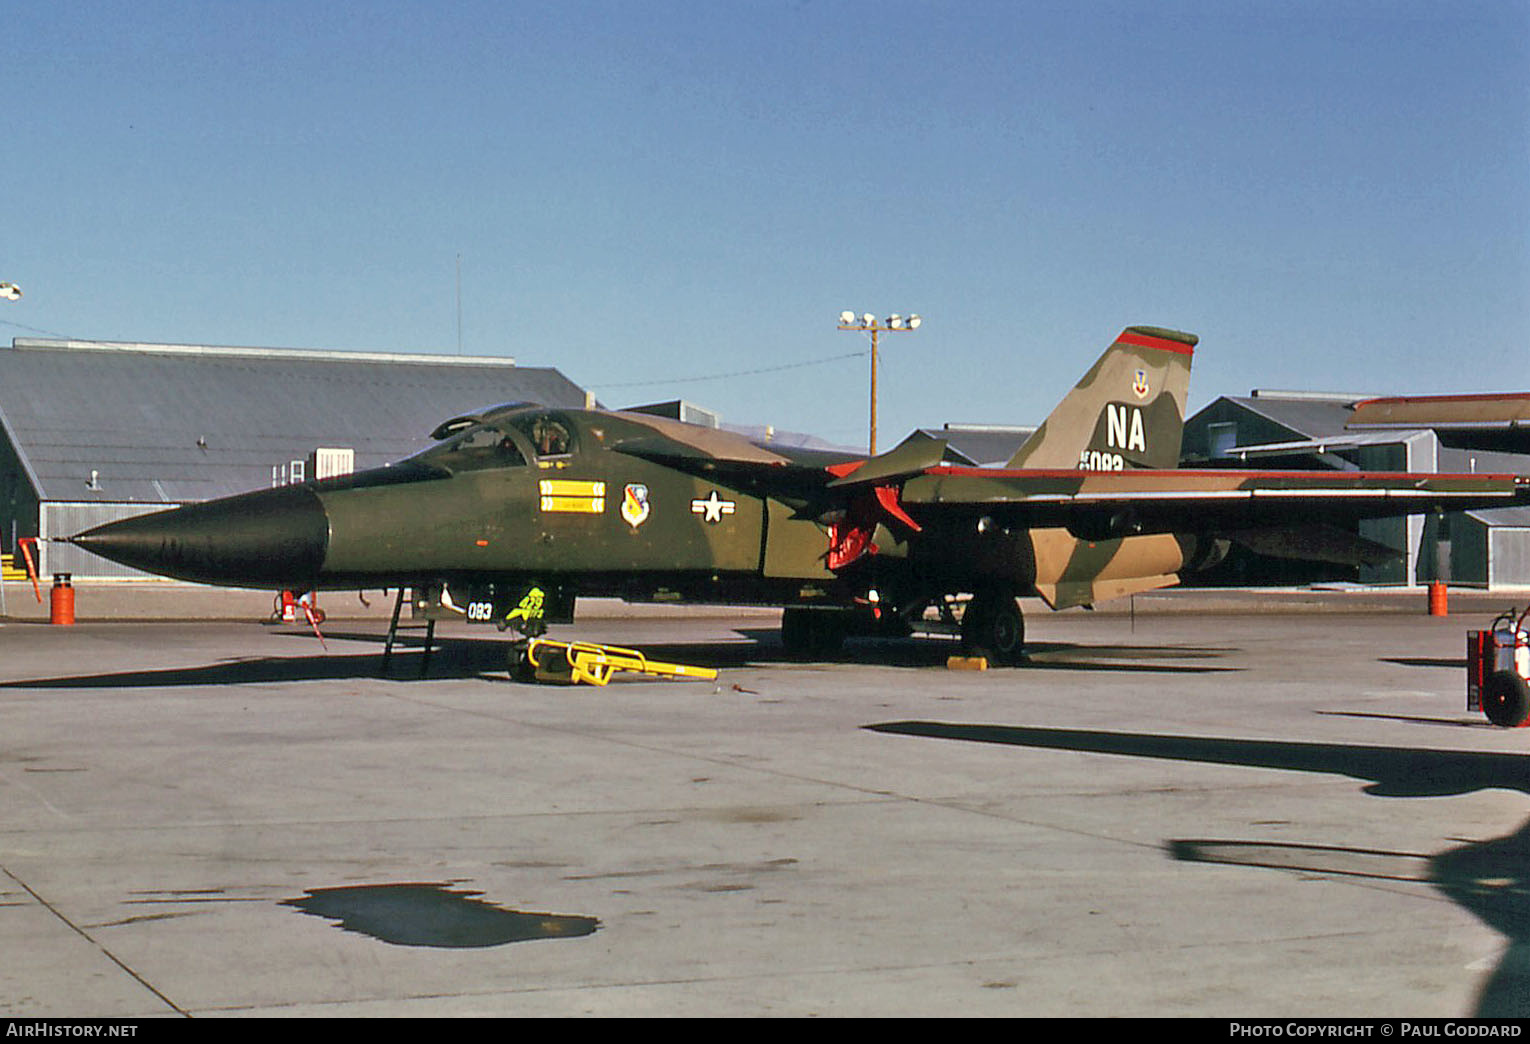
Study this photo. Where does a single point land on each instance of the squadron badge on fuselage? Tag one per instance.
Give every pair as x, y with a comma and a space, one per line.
635, 507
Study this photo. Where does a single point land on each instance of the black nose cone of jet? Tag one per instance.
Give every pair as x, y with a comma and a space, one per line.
273, 538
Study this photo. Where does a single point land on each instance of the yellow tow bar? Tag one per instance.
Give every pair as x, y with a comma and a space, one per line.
574, 663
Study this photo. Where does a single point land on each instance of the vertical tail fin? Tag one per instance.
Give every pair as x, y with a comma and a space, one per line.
1128, 411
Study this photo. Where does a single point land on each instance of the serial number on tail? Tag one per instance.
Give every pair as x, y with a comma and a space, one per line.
1095, 460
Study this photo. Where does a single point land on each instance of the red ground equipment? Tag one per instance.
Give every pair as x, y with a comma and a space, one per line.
1498, 670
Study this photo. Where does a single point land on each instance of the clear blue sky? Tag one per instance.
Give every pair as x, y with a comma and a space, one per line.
1331, 194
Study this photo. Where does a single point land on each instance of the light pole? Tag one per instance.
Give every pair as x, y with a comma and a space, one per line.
10, 291
869, 323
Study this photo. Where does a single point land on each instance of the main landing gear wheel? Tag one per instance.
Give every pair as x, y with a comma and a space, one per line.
812, 632
519, 661
1506, 699
993, 627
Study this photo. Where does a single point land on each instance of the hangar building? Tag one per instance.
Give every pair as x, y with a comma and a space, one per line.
92, 431
1346, 432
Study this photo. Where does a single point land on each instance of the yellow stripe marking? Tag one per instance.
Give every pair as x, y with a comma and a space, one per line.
576, 496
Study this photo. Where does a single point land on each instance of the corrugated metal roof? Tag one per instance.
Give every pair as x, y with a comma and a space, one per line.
981, 445
768, 435
1328, 444
1309, 416
173, 423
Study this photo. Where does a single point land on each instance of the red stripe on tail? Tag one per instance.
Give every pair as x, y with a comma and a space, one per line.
1144, 341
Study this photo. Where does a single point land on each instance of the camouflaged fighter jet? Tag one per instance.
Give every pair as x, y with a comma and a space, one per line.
519, 510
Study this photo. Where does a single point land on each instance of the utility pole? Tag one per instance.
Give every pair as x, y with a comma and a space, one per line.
869, 323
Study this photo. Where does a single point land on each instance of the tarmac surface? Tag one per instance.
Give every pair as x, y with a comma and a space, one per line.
1200, 805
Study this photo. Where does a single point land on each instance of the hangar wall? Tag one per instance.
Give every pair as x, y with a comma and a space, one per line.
1508, 559
92, 431
1314, 430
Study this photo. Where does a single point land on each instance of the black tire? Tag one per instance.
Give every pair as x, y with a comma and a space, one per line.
1506, 699
521, 669
993, 627
795, 626
812, 632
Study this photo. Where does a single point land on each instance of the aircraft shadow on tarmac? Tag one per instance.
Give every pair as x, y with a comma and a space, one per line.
1490, 878
460, 658
1477, 723
451, 659
1456, 664
1051, 656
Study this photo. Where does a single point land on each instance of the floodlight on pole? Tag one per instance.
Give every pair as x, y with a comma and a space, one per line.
10, 291
868, 323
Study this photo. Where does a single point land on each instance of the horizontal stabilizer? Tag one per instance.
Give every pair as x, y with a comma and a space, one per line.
909, 457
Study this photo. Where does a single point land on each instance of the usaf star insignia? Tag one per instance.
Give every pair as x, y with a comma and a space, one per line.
713, 508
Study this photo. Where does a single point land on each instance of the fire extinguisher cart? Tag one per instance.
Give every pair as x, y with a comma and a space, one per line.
1498, 670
